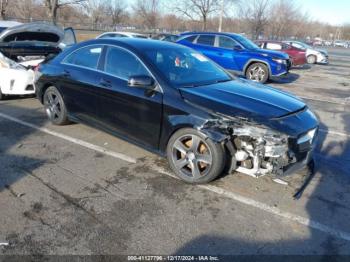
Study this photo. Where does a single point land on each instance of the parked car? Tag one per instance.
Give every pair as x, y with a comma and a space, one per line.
176, 102
15, 79
166, 37
22, 48
297, 55
121, 34
313, 55
327, 43
339, 43
238, 54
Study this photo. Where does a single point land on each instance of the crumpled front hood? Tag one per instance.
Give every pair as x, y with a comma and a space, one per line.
36, 32
243, 98
271, 53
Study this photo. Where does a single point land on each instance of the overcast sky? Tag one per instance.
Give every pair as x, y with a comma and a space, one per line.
335, 12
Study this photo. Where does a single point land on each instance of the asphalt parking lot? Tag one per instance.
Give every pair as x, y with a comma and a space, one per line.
76, 190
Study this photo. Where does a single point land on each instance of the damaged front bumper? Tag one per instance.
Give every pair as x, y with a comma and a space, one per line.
257, 151
273, 155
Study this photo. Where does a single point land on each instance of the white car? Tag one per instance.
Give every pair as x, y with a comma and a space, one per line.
341, 44
313, 55
15, 79
121, 34
22, 48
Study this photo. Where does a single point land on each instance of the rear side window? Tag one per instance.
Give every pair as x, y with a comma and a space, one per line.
285, 46
190, 38
226, 42
206, 40
274, 46
123, 64
86, 57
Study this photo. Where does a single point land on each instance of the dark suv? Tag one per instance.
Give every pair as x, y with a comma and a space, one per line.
238, 54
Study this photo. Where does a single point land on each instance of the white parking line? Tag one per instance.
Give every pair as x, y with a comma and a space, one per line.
334, 133
71, 139
322, 100
270, 209
241, 199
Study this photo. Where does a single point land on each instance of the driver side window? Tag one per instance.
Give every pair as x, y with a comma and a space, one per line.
123, 64
228, 43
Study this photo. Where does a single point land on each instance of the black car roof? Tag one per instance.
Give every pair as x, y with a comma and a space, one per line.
134, 43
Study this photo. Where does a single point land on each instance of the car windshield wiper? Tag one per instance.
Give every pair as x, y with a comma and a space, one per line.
223, 80
205, 84
189, 85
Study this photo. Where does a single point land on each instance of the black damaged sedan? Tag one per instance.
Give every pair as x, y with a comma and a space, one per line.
174, 101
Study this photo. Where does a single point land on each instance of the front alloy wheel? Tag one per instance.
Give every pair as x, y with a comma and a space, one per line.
311, 59
195, 158
55, 107
257, 72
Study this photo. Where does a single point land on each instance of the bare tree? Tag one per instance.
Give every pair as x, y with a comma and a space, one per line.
97, 10
255, 13
3, 9
117, 11
283, 15
148, 11
23, 9
52, 7
197, 10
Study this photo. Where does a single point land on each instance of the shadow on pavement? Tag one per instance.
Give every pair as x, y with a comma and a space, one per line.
287, 79
14, 165
328, 204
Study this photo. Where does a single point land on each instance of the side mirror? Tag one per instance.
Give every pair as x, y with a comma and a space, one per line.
237, 48
141, 81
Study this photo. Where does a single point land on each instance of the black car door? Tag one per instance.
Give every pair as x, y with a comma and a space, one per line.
78, 82
132, 112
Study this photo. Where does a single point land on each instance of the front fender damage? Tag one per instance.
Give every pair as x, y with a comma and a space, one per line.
255, 150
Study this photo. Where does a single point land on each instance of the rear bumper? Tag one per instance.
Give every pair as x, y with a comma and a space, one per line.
17, 82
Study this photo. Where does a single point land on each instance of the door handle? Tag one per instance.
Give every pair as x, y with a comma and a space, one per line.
106, 83
220, 54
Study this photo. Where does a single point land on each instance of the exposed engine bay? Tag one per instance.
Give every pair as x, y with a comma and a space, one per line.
255, 149
259, 154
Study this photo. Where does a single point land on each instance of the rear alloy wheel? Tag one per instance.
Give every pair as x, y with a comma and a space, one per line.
195, 158
257, 72
311, 59
55, 107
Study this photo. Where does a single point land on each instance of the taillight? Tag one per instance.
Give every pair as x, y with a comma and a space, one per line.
37, 68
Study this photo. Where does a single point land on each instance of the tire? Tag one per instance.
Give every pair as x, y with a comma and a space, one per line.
195, 158
55, 107
1, 96
311, 59
257, 72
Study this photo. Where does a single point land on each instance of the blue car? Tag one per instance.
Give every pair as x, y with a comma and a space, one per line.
238, 54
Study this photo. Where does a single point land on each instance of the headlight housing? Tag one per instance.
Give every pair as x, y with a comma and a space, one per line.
309, 136
280, 61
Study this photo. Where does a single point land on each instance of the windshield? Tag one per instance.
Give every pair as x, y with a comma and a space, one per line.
186, 68
246, 42
302, 45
